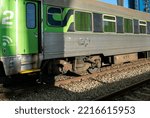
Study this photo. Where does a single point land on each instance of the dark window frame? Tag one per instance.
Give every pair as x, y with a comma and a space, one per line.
35, 25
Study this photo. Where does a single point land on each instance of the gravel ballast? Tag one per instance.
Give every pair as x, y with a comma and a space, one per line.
87, 89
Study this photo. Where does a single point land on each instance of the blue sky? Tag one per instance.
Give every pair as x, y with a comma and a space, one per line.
115, 2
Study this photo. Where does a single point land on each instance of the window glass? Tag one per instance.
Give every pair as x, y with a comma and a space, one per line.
148, 27
109, 18
97, 22
54, 16
31, 15
83, 21
109, 23
119, 24
136, 26
143, 26
128, 26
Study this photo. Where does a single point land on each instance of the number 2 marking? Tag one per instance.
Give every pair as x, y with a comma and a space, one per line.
9, 16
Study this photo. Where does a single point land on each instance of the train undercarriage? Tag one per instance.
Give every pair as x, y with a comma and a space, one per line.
78, 65
88, 63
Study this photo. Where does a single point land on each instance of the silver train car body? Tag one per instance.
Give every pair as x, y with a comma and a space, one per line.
79, 43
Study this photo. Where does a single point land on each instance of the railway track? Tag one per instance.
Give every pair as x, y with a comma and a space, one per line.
104, 71
65, 83
139, 91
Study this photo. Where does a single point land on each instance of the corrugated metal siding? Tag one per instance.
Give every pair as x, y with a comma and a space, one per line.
57, 45
95, 6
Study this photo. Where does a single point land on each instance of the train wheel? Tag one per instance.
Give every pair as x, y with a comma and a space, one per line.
92, 70
95, 66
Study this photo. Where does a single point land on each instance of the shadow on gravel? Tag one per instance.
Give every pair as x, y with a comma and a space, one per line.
47, 92
69, 73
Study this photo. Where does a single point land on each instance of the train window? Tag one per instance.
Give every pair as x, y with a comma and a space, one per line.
54, 16
142, 25
148, 27
136, 26
119, 24
83, 21
128, 26
109, 23
98, 22
31, 15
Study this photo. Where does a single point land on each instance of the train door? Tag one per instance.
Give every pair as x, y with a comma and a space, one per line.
33, 26
29, 27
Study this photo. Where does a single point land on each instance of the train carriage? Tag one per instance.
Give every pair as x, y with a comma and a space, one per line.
56, 36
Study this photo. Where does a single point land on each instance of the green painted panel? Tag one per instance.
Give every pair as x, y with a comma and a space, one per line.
56, 21
7, 28
27, 28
